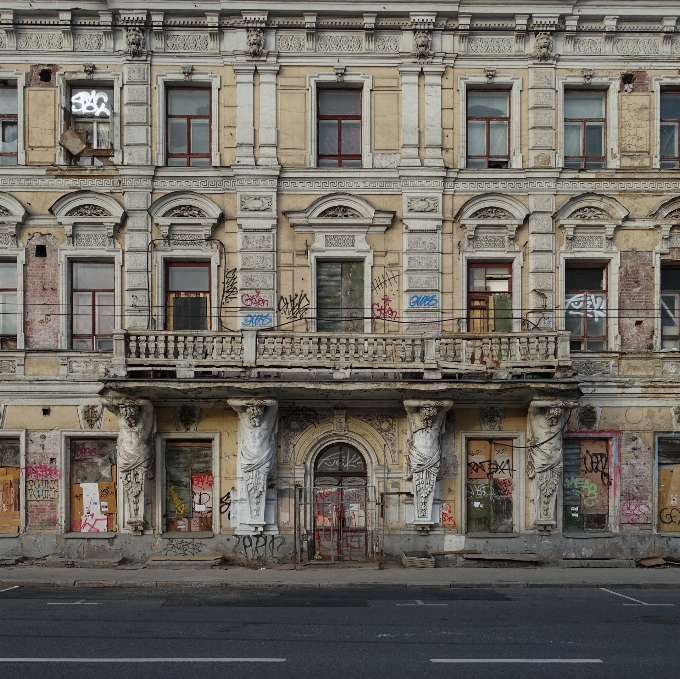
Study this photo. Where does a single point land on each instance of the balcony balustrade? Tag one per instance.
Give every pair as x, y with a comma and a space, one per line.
358, 355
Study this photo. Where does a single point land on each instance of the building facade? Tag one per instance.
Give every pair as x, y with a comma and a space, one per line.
420, 288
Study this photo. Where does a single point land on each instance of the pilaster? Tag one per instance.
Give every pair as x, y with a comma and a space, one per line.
410, 135
268, 131
433, 115
245, 130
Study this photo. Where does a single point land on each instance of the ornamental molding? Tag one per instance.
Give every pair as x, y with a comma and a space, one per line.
134, 41
12, 214
588, 46
387, 43
543, 47
422, 204
340, 212
186, 42
340, 43
491, 213
589, 213
88, 42
255, 41
186, 211
40, 41
422, 44
88, 210
291, 43
185, 217
256, 203
636, 46
385, 424
490, 45
88, 218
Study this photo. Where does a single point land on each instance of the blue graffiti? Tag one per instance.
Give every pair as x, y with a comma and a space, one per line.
429, 301
257, 320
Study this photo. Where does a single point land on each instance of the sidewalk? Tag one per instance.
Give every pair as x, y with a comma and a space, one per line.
366, 575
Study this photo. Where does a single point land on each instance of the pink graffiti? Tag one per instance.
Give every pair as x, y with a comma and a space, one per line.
505, 485
41, 471
254, 300
384, 310
202, 481
635, 510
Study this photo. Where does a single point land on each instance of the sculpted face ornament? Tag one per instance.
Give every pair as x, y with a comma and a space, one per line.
255, 414
428, 415
553, 415
130, 413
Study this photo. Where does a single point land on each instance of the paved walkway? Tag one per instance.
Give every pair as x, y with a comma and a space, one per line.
339, 576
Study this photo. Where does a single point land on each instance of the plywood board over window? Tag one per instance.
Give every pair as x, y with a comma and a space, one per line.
489, 486
10, 517
93, 485
669, 485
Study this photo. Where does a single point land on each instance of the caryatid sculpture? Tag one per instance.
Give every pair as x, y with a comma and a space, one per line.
424, 452
547, 419
257, 426
136, 433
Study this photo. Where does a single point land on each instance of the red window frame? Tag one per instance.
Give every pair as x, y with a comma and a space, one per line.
93, 336
189, 154
339, 157
488, 158
584, 159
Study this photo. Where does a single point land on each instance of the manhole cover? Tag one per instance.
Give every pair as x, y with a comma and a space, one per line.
659, 620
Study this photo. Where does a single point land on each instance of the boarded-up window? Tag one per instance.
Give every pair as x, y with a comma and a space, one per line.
189, 486
10, 493
340, 296
93, 486
587, 478
489, 486
669, 484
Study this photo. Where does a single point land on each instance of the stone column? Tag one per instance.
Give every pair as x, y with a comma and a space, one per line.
433, 115
267, 135
409, 115
546, 419
542, 261
256, 464
136, 439
423, 453
245, 131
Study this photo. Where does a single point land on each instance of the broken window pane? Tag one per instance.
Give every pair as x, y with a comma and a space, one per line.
189, 486
489, 298
93, 486
489, 486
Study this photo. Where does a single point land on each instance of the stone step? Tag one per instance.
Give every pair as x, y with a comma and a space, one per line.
596, 563
184, 561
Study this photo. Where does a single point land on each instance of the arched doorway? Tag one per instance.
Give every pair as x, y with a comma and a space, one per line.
340, 496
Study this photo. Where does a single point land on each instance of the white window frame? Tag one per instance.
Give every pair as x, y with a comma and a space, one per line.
659, 83
161, 439
612, 260
315, 82
598, 83
199, 79
518, 485
19, 77
21, 435
68, 79
515, 259
163, 255
511, 83
64, 504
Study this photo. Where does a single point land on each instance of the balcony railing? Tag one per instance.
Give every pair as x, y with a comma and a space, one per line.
205, 353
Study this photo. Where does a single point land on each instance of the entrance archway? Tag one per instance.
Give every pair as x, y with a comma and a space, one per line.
340, 497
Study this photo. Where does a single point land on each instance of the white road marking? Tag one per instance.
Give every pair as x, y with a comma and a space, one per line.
81, 602
517, 660
7, 590
141, 660
630, 598
420, 602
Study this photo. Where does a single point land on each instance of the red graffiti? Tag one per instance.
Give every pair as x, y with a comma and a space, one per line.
42, 471
384, 310
447, 516
202, 481
505, 485
254, 300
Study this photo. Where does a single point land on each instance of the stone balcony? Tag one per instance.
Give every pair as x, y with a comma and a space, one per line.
363, 356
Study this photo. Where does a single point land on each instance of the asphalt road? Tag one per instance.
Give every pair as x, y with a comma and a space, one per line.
349, 633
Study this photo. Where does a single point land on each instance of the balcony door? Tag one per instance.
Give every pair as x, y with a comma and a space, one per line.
187, 297
340, 296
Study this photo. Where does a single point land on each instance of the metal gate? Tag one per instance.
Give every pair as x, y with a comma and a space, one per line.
336, 523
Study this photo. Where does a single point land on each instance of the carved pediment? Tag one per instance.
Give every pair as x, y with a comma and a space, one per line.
88, 210
340, 212
491, 213
589, 212
185, 211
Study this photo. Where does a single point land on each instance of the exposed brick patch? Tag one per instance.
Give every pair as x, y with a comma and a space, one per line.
42, 452
38, 76
640, 81
636, 479
41, 294
636, 300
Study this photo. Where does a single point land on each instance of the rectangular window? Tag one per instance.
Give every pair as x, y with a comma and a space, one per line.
489, 486
187, 297
10, 491
9, 124
9, 310
584, 129
670, 307
91, 109
189, 126
586, 485
189, 486
488, 124
339, 128
489, 297
92, 306
669, 124
585, 307
93, 486
339, 296
669, 484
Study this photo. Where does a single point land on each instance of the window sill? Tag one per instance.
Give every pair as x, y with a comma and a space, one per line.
89, 536
589, 536
170, 535
10, 535
491, 535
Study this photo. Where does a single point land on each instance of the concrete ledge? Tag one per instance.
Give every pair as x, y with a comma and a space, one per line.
597, 563
184, 561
